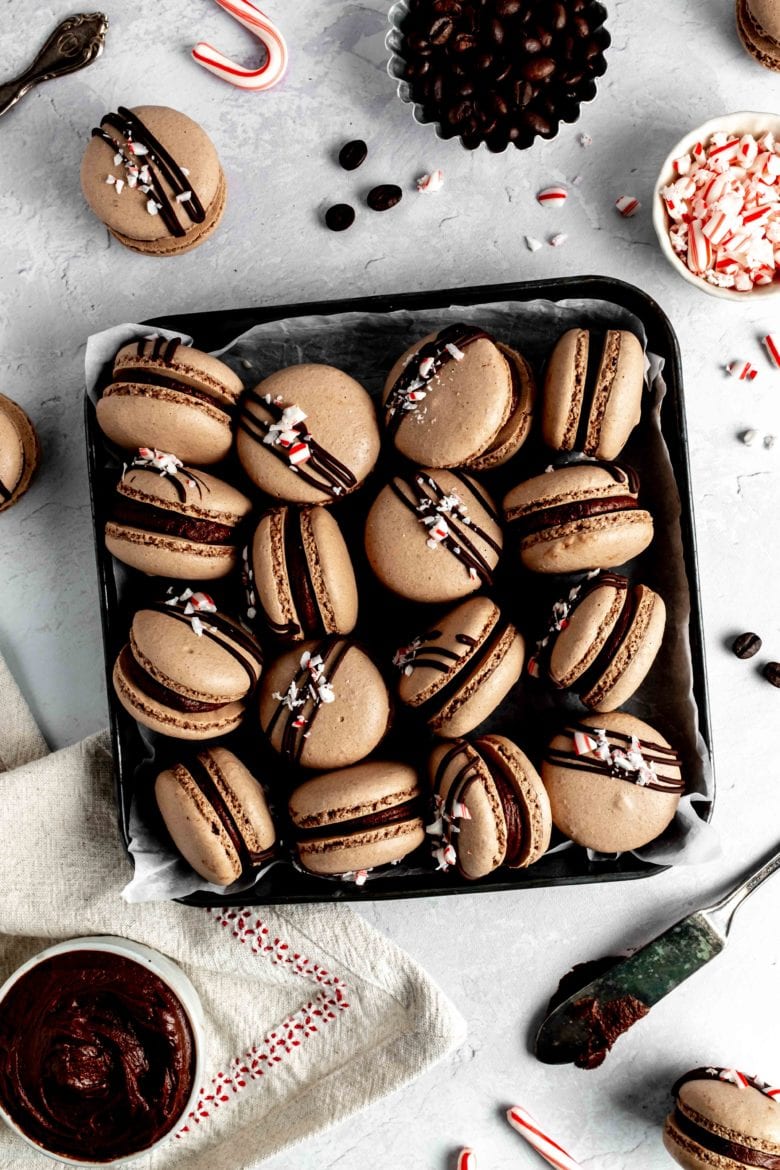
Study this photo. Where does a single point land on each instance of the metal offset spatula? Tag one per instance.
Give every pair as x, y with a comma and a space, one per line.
75, 43
649, 974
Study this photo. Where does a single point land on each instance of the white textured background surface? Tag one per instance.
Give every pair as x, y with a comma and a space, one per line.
670, 67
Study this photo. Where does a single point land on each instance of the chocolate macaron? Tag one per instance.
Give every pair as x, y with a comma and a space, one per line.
168, 396
601, 640
324, 704
491, 806
581, 516
433, 535
307, 434
758, 25
355, 819
456, 674
298, 575
153, 177
592, 396
20, 452
723, 1119
187, 670
217, 815
614, 782
459, 399
169, 520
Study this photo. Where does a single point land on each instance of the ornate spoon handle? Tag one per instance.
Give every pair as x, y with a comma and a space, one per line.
75, 43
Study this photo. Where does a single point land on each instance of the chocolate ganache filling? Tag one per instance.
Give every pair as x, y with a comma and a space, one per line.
207, 784
396, 815
723, 1147
158, 691
97, 1056
137, 514
559, 514
129, 376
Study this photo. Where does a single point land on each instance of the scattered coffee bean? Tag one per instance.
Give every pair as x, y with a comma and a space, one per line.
771, 673
353, 154
339, 217
384, 197
746, 645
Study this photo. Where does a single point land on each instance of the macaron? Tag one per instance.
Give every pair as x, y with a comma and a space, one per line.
592, 395
217, 815
433, 535
169, 520
168, 396
614, 782
153, 177
187, 670
457, 673
723, 1119
491, 806
458, 398
20, 452
298, 575
358, 818
324, 704
307, 434
758, 25
601, 640
581, 516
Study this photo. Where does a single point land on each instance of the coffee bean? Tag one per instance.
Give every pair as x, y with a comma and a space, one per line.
495, 31
465, 43
524, 93
353, 154
545, 37
466, 88
536, 122
384, 197
539, 68
746, 645
339, 217
441, 30
531, 45
581, 27
503, 70
506, 8
437, 88
557, 17
771, 673
459, 112
483, 62
499, 105
447, 8
419, 44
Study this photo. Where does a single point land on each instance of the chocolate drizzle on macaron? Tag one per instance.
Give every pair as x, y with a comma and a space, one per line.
217, 628
631, 759
310, 687
413, 384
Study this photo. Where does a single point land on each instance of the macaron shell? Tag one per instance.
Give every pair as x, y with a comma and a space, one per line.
348, 793
126, 214
601, 812
204, 496
331, 569
764, 48
632, 663
195, 828
244, 796
335, 855
460, 631
766, 16
516, 429
193, 237
136, 415
601, 542
483, 691
530, 792
617, 403
396, 541
589, 625
482, 838
159, 555
563, 389
198, 667
20, 451
167, 721
467, 404
190, 366
741, 1115
340, 416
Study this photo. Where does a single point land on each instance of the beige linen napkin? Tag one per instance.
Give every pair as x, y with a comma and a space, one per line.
310, 1013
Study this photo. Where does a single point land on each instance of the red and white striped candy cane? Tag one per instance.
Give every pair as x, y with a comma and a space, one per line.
555, 1155
266, 31
467, 1160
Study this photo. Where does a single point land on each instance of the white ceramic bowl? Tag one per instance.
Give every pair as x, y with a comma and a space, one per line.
746, 122
165, 970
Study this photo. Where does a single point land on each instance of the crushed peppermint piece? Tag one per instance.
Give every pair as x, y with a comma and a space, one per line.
404, 657
744, 371
111, 179
137, 148
585, 140
455, 353
430, 184
552, 196
161, 461
151, 206
769, 441
184, 170
532, 244
119, 158
557, 240
184, 197
627, 205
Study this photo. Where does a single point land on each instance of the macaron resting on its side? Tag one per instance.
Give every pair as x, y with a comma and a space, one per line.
758, 25
153, 177
456, 675
217, 815
593, 392
459, 399
602, 640
187, 670
172, 521
723, 1119
298, 575
433, 535
491, 805
581, 516
307, 434
168, 396
324, 704
614, 782
357, 818
20, 452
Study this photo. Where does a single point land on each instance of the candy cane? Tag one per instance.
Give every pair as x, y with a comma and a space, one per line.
467, 1160
555, 1155
266, 32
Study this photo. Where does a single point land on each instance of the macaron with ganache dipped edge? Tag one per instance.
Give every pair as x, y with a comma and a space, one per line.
153, 177
298, 575
491, 806
169, 520
614, 782
307, 434
217, 815
581, 516
324, 704
168, 396
355, 819
20, 452
758, 25
433, 535
601, 640
592, 395
723, 1119
456, 674
459, 399
187, 671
